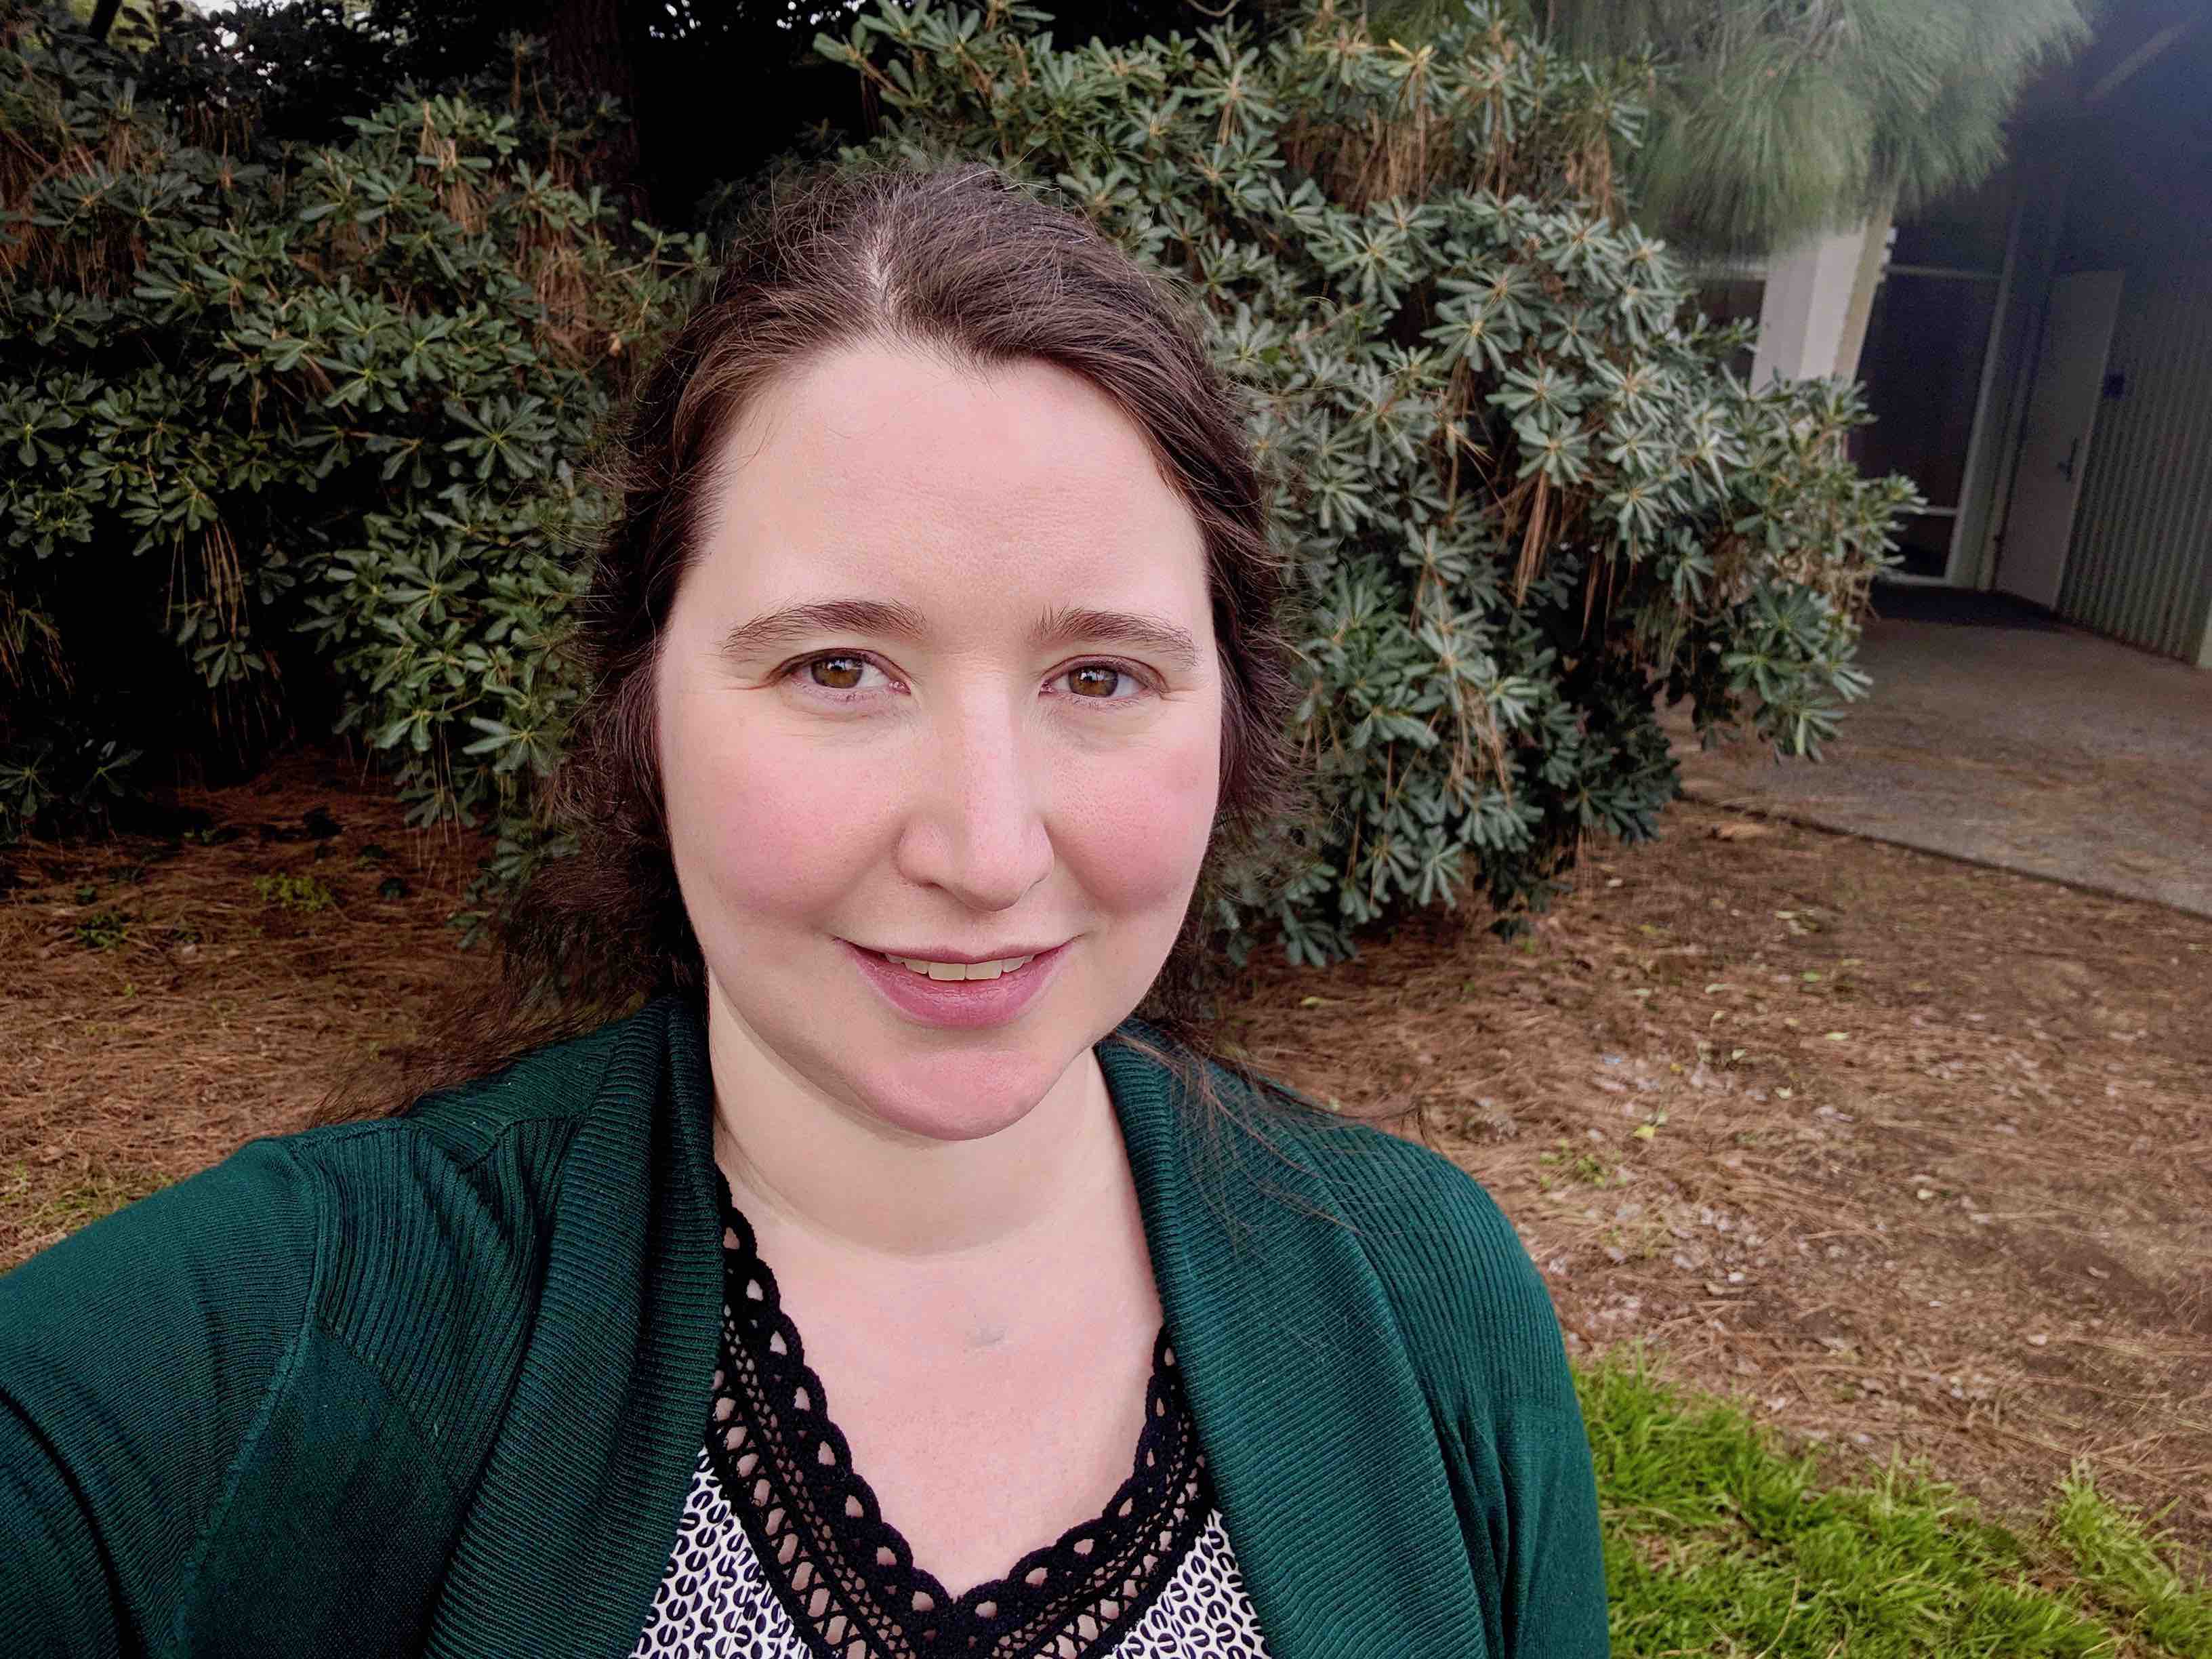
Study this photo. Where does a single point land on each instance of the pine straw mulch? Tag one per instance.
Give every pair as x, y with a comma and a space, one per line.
1906, 1154
161, 1011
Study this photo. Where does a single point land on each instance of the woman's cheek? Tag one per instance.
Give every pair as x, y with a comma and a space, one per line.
1142, 841
781, 831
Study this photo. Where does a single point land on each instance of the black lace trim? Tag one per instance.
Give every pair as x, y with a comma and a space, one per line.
848, 1579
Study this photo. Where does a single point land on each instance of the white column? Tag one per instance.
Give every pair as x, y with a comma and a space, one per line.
1807, 306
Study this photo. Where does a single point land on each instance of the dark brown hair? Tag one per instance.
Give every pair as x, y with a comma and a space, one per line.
962, 261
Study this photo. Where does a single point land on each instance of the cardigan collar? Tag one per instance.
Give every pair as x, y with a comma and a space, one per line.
1320, 1438
579, 1497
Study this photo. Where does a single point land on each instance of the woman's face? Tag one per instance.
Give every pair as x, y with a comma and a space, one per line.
941, 686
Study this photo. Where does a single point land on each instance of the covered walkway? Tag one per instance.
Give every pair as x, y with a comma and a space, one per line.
1998, 734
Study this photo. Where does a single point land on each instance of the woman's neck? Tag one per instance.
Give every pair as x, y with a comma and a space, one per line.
825, 1168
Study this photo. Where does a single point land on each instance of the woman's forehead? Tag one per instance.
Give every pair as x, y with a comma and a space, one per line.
897, 465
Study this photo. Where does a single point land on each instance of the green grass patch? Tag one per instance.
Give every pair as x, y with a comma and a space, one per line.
2131, 1571
1718, 1542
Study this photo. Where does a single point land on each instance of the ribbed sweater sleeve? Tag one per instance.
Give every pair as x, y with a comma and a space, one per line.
137, 1358
1476, 1316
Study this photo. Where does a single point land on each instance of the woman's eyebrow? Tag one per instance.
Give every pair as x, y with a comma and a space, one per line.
883, 617
1078, 626
1068, 627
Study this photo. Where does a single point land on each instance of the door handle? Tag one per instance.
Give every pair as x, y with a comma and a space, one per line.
2066, 466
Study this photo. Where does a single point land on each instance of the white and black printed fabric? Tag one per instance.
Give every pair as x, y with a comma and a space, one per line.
782, 1554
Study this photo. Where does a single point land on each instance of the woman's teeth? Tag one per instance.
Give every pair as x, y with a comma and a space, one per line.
961, 970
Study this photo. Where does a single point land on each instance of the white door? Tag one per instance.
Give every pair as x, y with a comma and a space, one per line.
2054, 445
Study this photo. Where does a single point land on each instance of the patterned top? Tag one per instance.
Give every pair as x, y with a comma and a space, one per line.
783, 1554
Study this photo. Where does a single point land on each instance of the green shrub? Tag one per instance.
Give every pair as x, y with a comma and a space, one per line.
57, 768
1526, 497
292, 430
303, 894
290, 433
104, 930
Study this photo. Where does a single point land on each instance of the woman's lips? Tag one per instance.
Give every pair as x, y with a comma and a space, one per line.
957, 1004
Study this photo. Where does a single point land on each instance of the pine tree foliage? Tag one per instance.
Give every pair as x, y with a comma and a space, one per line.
1525, 498
1773, 120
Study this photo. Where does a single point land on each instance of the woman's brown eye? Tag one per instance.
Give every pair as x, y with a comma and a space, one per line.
836, 673
1096, 681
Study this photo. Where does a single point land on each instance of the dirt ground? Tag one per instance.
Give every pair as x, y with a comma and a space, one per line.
1908, 1155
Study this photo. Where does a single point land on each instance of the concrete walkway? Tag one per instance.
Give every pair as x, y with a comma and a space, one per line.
1998, 734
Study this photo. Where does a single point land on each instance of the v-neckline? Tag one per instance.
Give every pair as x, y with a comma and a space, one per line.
848, 1579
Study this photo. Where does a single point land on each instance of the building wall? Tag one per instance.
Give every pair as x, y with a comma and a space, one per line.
2039, 174
2141, 564
2120, 181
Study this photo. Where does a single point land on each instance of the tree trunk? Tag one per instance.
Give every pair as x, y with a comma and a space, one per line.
585, 46
588, 49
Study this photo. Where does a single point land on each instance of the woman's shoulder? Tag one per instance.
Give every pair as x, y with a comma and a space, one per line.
298, 1218
472, 1165
553, 1087
177, 1376
1474, 1312
411, 1250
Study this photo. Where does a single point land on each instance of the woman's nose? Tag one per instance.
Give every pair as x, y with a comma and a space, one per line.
977, 830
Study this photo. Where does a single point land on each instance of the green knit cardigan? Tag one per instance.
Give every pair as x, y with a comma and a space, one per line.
438, 1383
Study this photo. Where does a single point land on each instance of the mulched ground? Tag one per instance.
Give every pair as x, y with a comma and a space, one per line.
1910, 1155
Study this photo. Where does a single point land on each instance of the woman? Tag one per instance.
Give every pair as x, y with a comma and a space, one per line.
881, 1286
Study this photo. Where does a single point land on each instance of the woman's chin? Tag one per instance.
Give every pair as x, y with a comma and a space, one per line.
947, 1100
951, 1121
